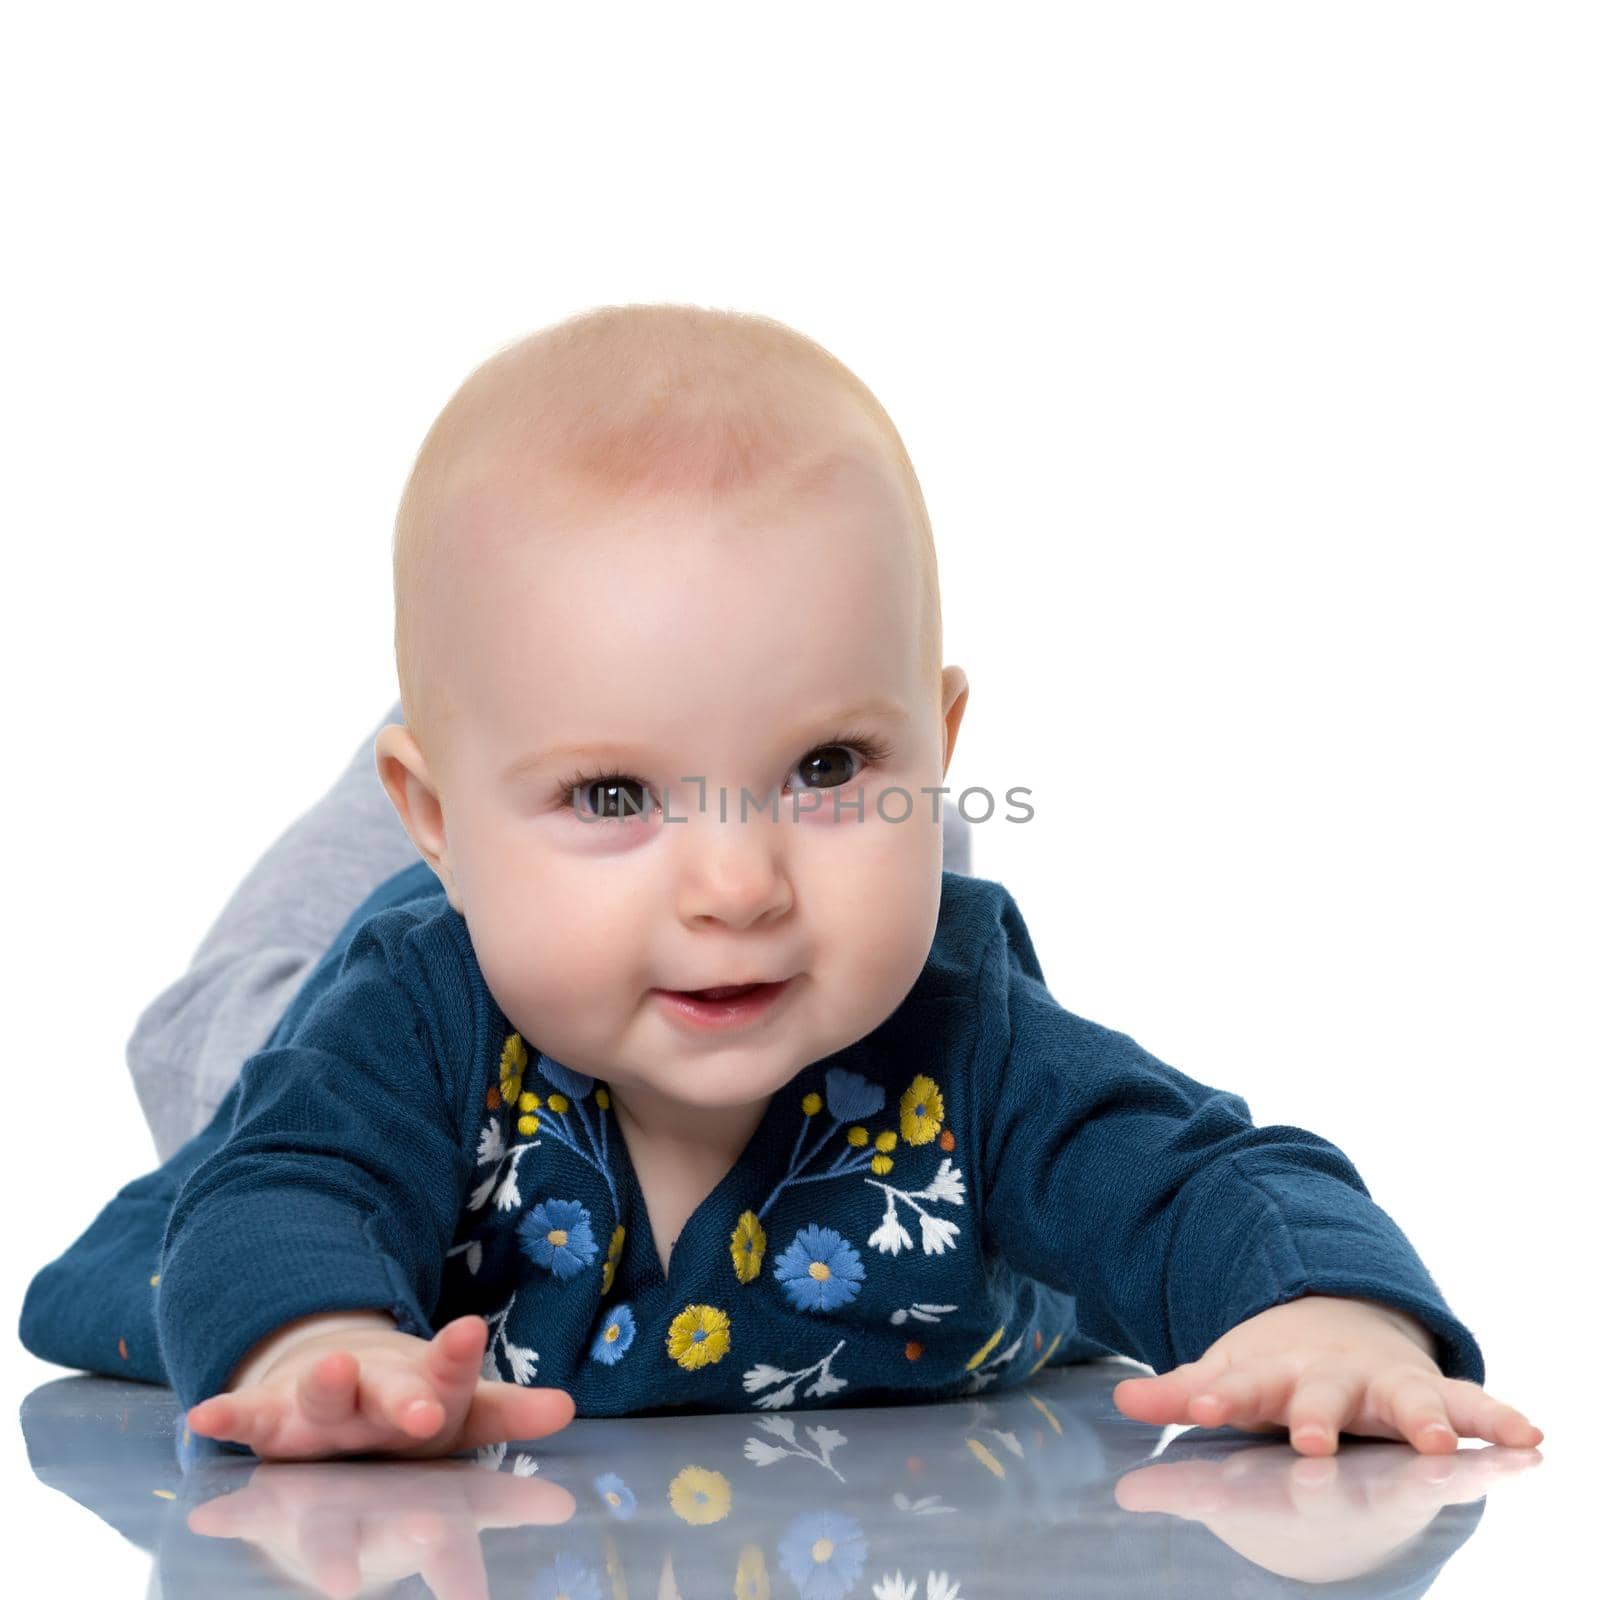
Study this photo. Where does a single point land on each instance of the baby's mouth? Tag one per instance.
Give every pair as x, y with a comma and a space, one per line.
724, 1005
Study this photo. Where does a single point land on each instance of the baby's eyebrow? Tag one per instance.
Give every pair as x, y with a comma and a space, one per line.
609, 750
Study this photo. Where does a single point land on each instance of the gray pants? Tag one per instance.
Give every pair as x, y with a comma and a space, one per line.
190, 1042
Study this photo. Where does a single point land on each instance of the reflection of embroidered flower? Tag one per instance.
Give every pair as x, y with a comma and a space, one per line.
513, 1062
556, 1234
619, 1498
748, 1246
613, 1255
750, 1580
614, 1336
566, 1576
698, 1336
921, 1111
824, 1553
699, 1495
820, 1270
852, 1098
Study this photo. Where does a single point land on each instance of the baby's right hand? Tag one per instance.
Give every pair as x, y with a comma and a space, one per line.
371, 1390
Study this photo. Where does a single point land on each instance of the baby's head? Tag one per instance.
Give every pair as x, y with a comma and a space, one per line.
683, 551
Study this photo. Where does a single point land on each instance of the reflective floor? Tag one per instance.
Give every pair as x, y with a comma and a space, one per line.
1048, 1491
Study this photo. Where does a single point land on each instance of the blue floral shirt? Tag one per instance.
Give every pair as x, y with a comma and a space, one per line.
983, 1185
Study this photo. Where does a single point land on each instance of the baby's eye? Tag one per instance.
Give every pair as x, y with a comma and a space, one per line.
829, 766
609, 797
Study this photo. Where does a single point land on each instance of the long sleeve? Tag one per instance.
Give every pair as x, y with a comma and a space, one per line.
1152, 1199
337, 1187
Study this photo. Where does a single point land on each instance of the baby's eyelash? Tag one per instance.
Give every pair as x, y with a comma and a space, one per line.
864, 744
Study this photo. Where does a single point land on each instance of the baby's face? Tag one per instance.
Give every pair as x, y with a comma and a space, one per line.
683, 655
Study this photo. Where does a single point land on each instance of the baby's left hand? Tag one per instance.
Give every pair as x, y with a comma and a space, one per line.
1322, 1365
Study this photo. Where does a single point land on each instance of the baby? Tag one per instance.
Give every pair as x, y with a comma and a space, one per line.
678, 1073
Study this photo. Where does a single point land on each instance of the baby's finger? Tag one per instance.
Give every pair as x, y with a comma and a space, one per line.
1319, 1410
401, 1401
1164, 1397
245, 1416
454, 1357
1413, 1404
326, 1391
501, 1412
1477, 1415
1232, 1397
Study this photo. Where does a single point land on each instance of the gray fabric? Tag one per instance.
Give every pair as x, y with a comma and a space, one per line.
190, 1042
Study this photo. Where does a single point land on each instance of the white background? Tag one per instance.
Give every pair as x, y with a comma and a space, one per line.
1247, 354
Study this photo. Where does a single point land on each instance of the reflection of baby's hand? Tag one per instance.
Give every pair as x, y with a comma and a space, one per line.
1318, 1520
342, 1528
368, 1390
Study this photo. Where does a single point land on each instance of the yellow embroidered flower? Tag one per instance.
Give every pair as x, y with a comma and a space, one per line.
699, 1495
698, 1336
559, 1103
921, 1111
885, 1140
749, 1244
811, 1105
602, 1099
513, 1062
750, 1581
882, 1164
857, 1137
527, 1103
613, 1254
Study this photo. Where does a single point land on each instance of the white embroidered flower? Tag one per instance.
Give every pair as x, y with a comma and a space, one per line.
524, 1362
491, 1144
941, 1588
762, 1453
937, 1234
946, 1184
890, 1236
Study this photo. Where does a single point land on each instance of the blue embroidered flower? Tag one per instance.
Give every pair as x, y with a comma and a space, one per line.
824, 1553
556, 1234
567, 1579
852, 1098
564, 1079
819, 1270
615, 1335
618, 1497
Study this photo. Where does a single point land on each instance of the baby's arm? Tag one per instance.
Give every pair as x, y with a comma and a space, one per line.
337, 1191
345, 1383
1242, 1262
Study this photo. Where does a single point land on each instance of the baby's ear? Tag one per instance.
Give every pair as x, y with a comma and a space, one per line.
955, 708
403, 771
